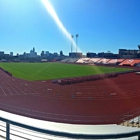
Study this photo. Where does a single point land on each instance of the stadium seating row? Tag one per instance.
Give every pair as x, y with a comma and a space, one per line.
121, 62
85, 78
130, 62
67, 81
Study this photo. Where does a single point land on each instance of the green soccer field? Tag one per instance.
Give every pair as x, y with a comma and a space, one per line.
46, 71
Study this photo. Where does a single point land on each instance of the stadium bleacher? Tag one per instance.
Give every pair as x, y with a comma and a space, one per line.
83, 60
94, 59
65, 60
130, 62
102, 61
115, 61
72, 60
67, 81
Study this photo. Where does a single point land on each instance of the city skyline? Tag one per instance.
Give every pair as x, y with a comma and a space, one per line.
102, 25
31, 52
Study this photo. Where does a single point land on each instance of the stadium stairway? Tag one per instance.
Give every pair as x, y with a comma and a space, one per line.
135, 122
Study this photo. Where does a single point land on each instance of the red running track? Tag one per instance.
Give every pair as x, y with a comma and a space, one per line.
95, 102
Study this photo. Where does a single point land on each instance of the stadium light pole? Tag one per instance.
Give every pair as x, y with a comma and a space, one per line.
71, 42
76, 41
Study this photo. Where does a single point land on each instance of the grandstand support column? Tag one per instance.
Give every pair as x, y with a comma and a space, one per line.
7, 131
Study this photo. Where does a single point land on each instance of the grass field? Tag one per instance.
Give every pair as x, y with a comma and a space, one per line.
45, 71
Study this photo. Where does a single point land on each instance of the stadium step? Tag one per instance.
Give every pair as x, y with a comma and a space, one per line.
135, 122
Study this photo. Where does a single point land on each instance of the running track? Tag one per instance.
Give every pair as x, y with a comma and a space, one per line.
95, 102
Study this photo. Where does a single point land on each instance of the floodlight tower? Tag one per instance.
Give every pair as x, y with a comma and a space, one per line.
76, 41
72, 42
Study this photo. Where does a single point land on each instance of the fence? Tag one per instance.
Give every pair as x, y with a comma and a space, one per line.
66, 135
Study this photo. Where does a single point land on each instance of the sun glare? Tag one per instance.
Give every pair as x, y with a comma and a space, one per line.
53, 14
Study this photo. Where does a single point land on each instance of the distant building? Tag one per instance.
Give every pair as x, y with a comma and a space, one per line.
47, 53
33, 49
108, 55
124, 53
33, 53
24, 55
128, 52
1, 53
91, 54
111, 55
75, 54
42, 54
11, 53
61, 54
27, 54
55, 54
101, 54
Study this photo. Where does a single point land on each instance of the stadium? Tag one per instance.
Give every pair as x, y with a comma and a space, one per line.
83, 91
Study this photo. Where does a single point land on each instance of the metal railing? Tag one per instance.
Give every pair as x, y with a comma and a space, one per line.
105, 119
65, 134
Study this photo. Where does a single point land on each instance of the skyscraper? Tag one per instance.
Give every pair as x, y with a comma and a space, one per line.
33, 49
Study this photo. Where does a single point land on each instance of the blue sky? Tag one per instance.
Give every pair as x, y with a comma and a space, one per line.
102, 25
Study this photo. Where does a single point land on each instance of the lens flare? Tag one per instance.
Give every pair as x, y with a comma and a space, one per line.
53, 14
